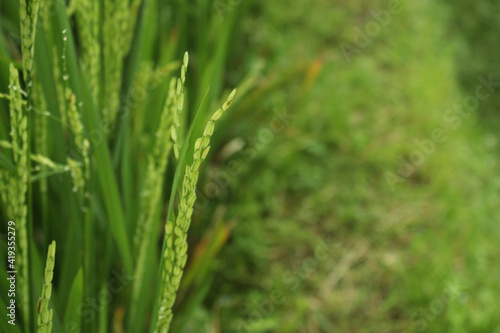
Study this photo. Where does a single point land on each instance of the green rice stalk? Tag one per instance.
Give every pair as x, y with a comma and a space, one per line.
78, 175
75, 123
19, 185
147, 76
157, 163
113, 61
119, 19
179, 103
80, 172
142, 79
88, 21
175, 255
151, 196
44, 315
28, 14
163, 134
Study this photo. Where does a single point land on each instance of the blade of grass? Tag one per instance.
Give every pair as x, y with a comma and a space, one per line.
72, 316
122, 150
103, 313
195, 300
204, 254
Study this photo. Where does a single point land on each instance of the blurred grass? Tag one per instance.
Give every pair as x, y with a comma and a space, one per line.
392, 254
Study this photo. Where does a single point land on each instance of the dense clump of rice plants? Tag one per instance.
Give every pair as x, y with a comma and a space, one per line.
102, 143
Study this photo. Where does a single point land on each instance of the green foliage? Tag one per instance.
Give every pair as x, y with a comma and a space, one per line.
82, 165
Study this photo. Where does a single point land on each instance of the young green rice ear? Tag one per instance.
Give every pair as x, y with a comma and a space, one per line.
18, 185
179, 104
79, 173
175, 255
44, 315
152, 193
157, 164
87, 13
120, 19
28, 14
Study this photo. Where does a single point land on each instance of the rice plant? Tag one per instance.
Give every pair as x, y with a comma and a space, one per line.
102, 140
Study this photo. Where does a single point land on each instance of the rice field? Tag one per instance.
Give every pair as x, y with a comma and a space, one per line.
248, 166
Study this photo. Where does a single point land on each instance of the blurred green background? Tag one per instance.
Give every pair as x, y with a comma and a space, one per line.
353, 218
354, 187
